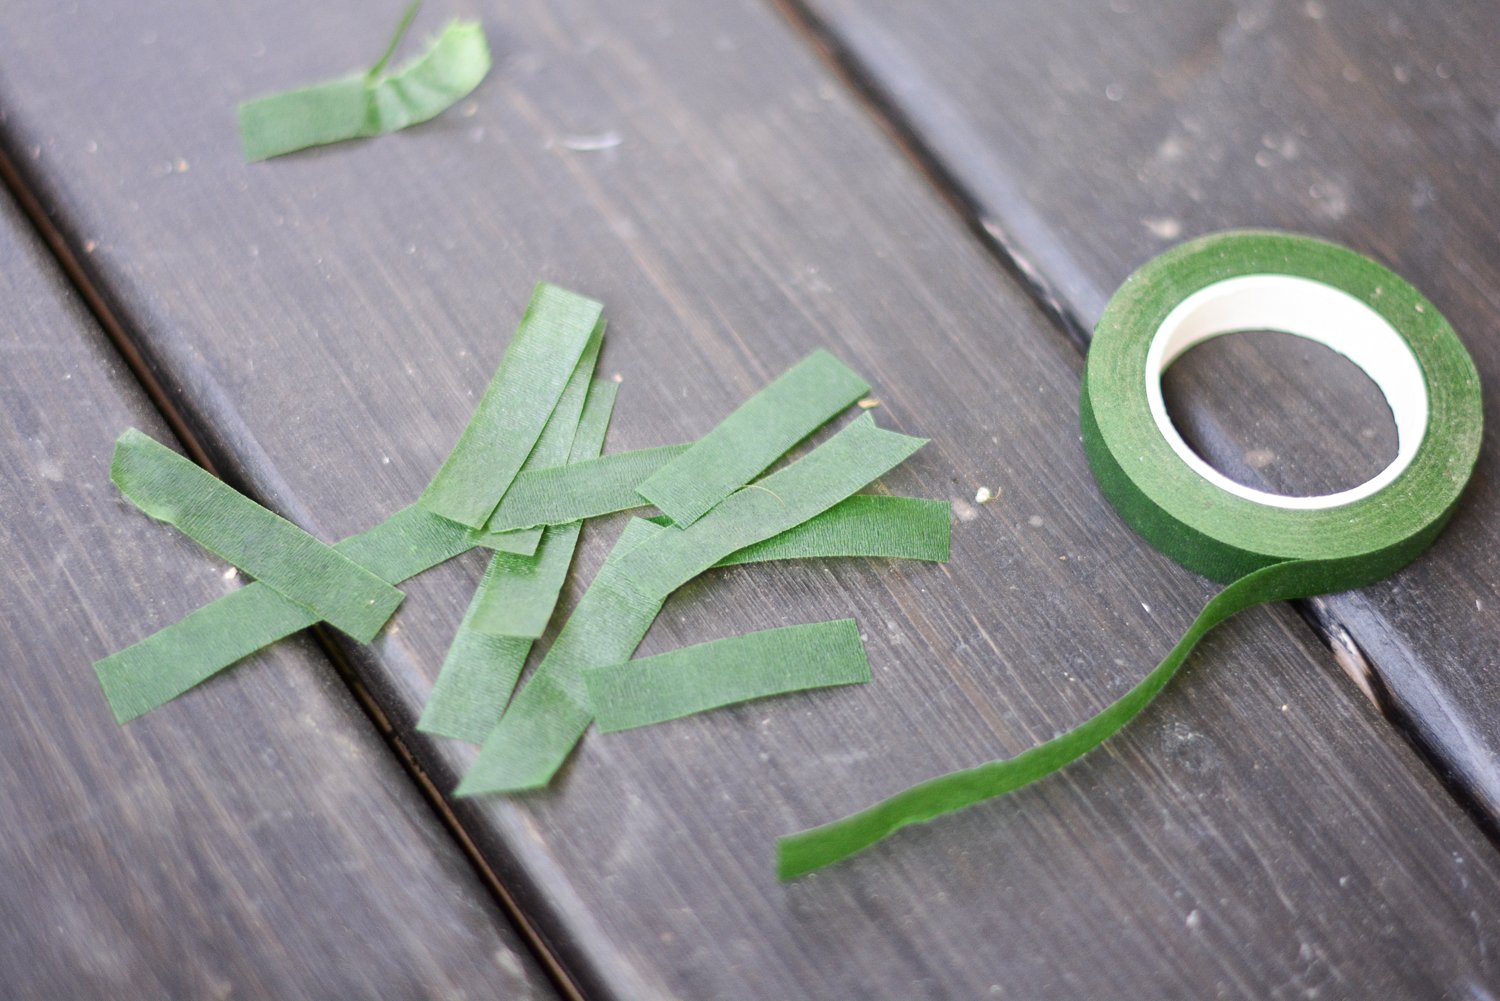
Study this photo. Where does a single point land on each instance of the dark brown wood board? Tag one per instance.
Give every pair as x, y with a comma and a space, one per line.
327, 321
269, 847
1090, 135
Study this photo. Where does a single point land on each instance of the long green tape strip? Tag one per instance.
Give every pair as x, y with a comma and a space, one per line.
725, 672
580, 490
898, 528
748, 441
369, 103
550, 714
849, 460
172, 660
262, 543
1268, 547
516, 405
482, 665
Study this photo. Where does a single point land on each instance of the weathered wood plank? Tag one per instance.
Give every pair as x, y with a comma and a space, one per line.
1093, 137
268, 848
1260, 832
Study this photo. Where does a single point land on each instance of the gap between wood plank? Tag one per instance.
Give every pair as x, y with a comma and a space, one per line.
867, 92
60, 243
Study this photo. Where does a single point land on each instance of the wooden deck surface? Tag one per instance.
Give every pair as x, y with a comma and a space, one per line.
942, 198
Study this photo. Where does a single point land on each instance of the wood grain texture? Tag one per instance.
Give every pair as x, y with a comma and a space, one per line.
268, 848
328, 321
1092, 135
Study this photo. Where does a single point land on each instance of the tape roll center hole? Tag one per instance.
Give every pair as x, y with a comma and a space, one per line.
1280, 413
1315, 312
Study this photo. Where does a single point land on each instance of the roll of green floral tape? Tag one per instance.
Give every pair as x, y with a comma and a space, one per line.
1326, 293
1266, 547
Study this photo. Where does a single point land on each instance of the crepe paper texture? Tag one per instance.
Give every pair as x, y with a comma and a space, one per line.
550, 714
1265, 549
854, 457
173, 660
580, 490
748, 441
869, 525
265, 545
724, 672
516, 406
480, 669
370, 103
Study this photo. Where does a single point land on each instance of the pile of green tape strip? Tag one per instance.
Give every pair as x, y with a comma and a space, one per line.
1266, 547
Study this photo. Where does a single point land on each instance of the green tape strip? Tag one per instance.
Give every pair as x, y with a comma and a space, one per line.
728, 671
748, 441
580, 490
849, 460
516, 406
262, 543
1269, 548
517, 593
541, 728
172, 660
368, 104
550, 713
901, 528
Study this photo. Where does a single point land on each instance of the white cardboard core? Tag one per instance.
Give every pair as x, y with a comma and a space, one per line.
1310, 309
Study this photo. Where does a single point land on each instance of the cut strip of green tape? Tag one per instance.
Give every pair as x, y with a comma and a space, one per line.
550, 713
477, 677
748, 441
516, 406
1265, 548
480, 670
724, 672
541, 728
172, 660
900, 528
368, 104
849, 460
580, 490
262, 543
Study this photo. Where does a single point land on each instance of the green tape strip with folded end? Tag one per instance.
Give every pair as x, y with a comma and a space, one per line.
265, 545
1265, 551
551, 713
858, 454
370, 103
516, 406
481, 667
725, 672
748, 441
580, 490
172, 660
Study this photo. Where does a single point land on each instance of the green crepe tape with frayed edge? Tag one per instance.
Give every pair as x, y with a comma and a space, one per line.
1267, 548
371, 103
725, 672
760, 431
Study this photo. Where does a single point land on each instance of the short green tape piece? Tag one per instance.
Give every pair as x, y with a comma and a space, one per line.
550, 713
580, 490
516, 406
265, 545
725, 672
370, 103
869, 525
748, 441
849, 460
172, 660
517, 595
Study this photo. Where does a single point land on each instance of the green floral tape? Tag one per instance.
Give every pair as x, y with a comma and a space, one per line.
1267, 547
